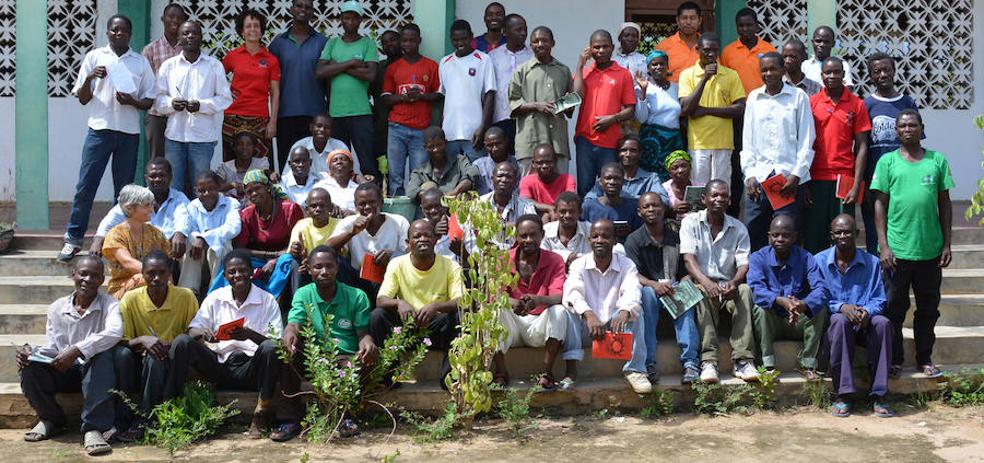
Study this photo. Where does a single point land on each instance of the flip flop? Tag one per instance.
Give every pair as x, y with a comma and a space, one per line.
547, 382
41, 431
94, 443
881, 410
840, 409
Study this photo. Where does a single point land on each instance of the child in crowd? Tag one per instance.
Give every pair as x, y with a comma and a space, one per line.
320, 144
232, 171
213, 221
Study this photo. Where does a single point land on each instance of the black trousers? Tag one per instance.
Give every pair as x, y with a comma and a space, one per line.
139, 373
289, 130
443, 329
925, 278
95, 378
239, 372
356, 132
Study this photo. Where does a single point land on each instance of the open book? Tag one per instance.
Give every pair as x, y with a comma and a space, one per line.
685, 296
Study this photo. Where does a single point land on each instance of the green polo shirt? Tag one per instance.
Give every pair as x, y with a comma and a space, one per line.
349, 95
349, 308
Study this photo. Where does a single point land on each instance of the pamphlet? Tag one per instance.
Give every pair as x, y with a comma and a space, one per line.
772, 187
566, 102
225, 330
370, 271
121, 78
692, 195
613, 346
685, 296
844, 184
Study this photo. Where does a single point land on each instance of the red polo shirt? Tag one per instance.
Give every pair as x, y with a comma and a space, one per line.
251, 77
547, 280
605, 92
836, 126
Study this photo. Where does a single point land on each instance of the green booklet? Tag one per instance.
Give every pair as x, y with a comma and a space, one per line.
566, 102
685, 296
692, 195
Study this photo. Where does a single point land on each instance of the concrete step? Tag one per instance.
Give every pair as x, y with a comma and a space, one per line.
954, 344
23, 318
968, 255
955, 310
33, 263
50, 239
33, 289
962, 281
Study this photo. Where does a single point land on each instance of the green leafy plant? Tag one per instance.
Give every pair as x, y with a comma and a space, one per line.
661, 404
976, 207
964, 388
817, 394
515, 409
763, 394
716, 399
437, 429
390, 458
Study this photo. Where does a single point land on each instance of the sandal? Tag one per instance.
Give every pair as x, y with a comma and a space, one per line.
285, 432
881, 410
566, 384
546, 382
931, 371
840, 409
41, 431
134, 434
809, 374
94, 443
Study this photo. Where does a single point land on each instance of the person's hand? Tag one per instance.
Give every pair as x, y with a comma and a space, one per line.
807, 198
360, 223
478, 138
65, 359
545, 107
642, 81
179, 104
946, 257
152, 346
887, 258
382, 258
619, 321
441, 227
681, 207
235, 94
274, 177
368, 352
240, 189
852, 196
710, 70
752, 188
596, 328
177, 246
126, 99
603, 122
297, 249
851, 312
519, 307
404, 309
21, 356
193, 106
863, 317
427, 314
268, 267
583, 58
197, 248
290, 340
711, 289
530, 301
271, 130
96, 248
207, 335
729, 290
789, 188
663, 288
99, 73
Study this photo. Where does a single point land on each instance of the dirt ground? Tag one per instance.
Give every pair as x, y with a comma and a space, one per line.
917, 435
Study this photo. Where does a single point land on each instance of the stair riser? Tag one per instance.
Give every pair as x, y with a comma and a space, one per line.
956, 314
34, 294
33, 266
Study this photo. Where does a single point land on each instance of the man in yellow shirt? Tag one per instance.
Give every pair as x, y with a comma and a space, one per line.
711, 96
422, 285
309, 233
152, 317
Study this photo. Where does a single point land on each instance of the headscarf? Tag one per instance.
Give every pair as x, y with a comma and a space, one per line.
258, 176
674, 157
628, 25
334, 153
657, 54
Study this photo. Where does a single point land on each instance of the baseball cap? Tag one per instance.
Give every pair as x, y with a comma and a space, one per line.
353, 6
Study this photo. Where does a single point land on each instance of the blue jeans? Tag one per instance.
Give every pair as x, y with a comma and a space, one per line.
759, 215
456, 147
578, 337
590, 158
99, 146
686, 330
188, 161
404, 144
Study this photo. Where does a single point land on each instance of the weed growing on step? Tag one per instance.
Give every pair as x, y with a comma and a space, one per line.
515, 409
662, 404
433, 430
817, 394
763, 394
716, 399
964, 388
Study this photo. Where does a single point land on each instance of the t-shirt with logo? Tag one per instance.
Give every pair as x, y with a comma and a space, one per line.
606, 91
251, 77
402, 77
883, 138
349, 95
914, 231
836, 126
349, 310
464, 81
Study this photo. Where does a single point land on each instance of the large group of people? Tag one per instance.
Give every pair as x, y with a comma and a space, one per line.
735, 168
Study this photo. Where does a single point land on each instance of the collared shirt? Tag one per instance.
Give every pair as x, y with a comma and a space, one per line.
157, 52
812, 68
605, 293
681, 55
860, 285
142, 318
486, 167
319, 159
532, 82
270, 235
720, 91
659, 106
464, 82
217, 227
798, 276
203, 81
93, 332
745, 61
782, 141
642, 182
505, 62
391, 236
578, 245
456, 169
606, 91
719, 257
251, 78
836, 125
105, 113
229, 173
171, 216
441, 283
634, 62
343, 197
260, 311
547, 279
516, 207
349, 309
301, 93
655, 260
810, 86
298, 193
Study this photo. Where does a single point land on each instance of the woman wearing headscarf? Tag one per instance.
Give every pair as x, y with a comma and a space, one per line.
128, 243
678, 165
627, 55
658, 109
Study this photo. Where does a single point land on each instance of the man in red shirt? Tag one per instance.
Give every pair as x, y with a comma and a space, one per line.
545, 183
608, 99
840, 149
409, 89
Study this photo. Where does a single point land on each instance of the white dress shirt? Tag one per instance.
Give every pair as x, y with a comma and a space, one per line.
93, 332
105, 113
170, 217
260, 309
505, 62
204, 81
589, 289
295, 192
392, 235
720, 257
782, 141
319, 160
217, 227
813, 70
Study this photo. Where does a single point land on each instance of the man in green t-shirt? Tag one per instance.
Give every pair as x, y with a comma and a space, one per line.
349, 330
913, 217
349, 62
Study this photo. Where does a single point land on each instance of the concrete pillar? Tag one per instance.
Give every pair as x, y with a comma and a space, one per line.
725, 11
139, 13
31, 120
820, 13
434, 18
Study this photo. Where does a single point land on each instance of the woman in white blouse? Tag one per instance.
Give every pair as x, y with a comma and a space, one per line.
658, 109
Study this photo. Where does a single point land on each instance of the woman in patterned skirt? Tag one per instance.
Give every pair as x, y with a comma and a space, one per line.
658, 109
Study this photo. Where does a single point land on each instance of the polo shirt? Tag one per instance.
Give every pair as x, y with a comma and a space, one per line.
440, 283
273, 236
532, 186
860, 285
681, 55
464, 80
251, 77
505, 61
260, 311
349, 95
313, 236
349, 309
105, 113
798, 276
392, 236
626, 210
655, 260
142, 318
531, 82
836, 126
719, 257
301, 94
605, 92
547, 279
745, 61
720, 91
401, 77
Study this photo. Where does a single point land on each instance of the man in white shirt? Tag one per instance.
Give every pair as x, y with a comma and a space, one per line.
568, 235
320, 128
192, 91
468, 84
242, 357
300, 179
780, 144
116, 83
505, 60
213, 221
823, 43
603, 289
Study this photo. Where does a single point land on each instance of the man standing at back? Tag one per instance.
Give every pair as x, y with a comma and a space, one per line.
505, 60
682, 46
494, 35
468, 84
157, 52
743, 54
823, 42
793, 55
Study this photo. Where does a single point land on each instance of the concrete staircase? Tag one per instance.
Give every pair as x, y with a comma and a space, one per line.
30, 278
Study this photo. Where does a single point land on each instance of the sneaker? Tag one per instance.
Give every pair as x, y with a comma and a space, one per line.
708, 372
566, 384
895, 371
652, 374
745, 370
68, 251
690, 375
639, 383
348, 429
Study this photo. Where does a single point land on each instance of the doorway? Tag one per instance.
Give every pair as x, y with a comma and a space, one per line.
657, 18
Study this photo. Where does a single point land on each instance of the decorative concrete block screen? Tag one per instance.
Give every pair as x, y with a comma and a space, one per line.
8, 47
781, 20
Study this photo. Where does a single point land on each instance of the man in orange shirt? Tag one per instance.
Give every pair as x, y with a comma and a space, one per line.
682, 46
743, 54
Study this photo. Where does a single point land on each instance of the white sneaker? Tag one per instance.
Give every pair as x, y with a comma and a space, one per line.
640, 384
745, 370
708, 372
68, 251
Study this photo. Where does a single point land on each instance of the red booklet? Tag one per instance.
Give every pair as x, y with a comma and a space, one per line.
370, 271
613, 346
772, 188
225, 329
844, 184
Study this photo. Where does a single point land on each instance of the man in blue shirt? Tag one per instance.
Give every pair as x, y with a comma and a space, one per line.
857, 302
614, 204
302, 95
789, 295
